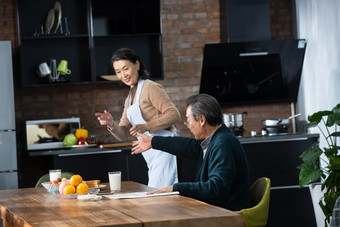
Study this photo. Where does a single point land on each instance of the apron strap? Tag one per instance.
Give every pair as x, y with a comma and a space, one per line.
139, 90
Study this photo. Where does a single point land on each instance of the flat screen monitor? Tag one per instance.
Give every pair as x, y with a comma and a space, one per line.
253, 72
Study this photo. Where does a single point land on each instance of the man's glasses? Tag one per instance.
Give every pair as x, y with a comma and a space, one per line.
187, 123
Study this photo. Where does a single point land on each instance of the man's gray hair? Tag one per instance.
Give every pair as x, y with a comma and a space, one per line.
206, 105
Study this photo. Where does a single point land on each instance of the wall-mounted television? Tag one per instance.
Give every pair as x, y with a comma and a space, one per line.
253, 72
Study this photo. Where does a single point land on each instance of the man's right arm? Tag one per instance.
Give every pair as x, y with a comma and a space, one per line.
181, 146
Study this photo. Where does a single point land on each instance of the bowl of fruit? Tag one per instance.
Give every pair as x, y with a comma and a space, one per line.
75, 186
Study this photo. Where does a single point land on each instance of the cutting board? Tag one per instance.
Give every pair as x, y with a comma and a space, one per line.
126, 144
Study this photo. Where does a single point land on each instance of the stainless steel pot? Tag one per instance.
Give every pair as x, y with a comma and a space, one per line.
234, 120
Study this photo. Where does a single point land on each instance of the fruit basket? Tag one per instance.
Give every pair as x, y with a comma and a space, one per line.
51, 188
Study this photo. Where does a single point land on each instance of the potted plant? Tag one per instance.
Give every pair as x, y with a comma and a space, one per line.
311, 170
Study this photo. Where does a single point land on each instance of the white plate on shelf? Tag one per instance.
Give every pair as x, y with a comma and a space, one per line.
57, 17
110, 77
49, 21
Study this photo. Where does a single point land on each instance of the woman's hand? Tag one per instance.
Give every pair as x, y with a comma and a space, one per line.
105, 118
141, 145
137, 129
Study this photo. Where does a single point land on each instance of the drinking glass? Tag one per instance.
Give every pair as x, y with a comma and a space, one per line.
55, 174
115, 181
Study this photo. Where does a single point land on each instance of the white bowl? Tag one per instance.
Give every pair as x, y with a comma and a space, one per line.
51, 188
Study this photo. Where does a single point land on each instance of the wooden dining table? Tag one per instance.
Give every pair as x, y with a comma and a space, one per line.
37, 207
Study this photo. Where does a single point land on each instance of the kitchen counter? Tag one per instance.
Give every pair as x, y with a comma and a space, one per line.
117, 148
277, 138
80, 151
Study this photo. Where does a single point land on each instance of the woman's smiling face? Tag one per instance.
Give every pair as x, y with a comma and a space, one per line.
127, 71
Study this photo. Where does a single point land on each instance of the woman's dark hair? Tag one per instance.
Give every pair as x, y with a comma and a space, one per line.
206, 105
130, 55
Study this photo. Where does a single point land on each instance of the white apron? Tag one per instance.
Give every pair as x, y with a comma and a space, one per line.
162, 166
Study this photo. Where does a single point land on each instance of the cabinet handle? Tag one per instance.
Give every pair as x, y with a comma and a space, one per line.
287, 187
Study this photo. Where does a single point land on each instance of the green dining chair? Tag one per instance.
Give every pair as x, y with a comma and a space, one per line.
257, 215
46, 178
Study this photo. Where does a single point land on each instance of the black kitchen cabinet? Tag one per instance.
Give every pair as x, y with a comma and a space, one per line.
277, 158
88, 34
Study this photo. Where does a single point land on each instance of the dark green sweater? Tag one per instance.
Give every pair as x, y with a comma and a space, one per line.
223, 175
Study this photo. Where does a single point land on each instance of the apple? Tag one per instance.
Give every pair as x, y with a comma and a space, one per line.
63, 184
81, 141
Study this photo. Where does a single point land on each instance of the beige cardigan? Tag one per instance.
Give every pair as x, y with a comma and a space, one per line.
157, 109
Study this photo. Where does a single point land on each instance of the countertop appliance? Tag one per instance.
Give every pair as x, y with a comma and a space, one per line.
49, 134
8, 147
253, 72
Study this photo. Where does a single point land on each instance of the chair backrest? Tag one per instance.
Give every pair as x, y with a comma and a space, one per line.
257, 215
46, 178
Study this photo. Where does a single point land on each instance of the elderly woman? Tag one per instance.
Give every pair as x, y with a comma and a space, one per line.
148, 109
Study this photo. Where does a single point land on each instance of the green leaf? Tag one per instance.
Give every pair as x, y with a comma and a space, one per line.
332, 182
331, 151
334, 118
309, 170
312, 153
336, 134
334, 160
316, 117
309, 174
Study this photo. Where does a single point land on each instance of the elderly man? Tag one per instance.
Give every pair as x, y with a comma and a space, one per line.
223, 174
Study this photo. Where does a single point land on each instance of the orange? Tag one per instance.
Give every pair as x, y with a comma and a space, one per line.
75, 180
69, 189
82, 188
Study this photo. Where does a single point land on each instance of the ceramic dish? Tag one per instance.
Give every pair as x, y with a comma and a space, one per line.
57, 16
49, 21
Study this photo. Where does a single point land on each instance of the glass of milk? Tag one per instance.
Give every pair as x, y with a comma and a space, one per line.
55, 174
115, 181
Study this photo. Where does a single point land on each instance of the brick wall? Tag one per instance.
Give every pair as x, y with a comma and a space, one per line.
187, 25
8, 22
282, 19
